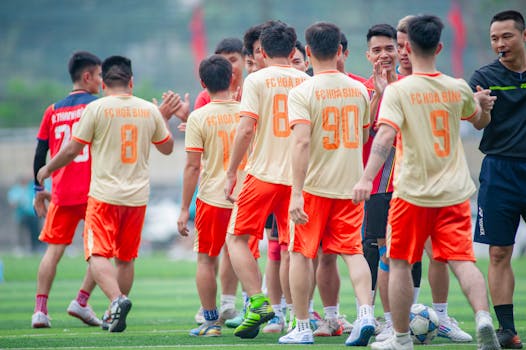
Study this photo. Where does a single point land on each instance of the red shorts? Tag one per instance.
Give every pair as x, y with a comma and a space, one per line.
253, 245
257, 200
61, 223
113, 230
211, 223
336, 223
409, 226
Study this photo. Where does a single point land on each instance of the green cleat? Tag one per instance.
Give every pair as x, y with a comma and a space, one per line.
259, 312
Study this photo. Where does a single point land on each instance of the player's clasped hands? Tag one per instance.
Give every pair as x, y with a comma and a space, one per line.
296, 211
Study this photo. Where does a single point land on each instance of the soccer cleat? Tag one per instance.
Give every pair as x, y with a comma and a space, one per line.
83, 313
392, 343
297, 337
346, 325
508, 339
40, 320
119, 310
386, 332
106, 321
361, 332
328, 328
291, 324
275, 325
226, 313
486, 336
199, 317
234, 322
207, 330
254, 317
448, 328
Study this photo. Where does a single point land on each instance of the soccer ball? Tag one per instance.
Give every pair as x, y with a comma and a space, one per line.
423, 323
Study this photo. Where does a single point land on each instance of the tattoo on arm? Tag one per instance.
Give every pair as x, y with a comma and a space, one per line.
381, 151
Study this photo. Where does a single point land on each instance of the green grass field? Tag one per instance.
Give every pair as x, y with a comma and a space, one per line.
164, 303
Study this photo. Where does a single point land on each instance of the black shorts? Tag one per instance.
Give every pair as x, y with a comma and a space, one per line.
501, 200
376, 212
271, 224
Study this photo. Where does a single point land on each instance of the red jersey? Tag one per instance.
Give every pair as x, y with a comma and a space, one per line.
202, 99
383, 182
70, 184
357, 77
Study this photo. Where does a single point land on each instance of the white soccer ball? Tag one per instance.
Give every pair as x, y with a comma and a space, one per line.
423, 323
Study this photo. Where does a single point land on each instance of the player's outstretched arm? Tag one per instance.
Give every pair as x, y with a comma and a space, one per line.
244, 133
190, 178
382, 144
300, 148
486, 103
63, 157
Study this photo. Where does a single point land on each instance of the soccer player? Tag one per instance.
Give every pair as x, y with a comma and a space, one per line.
266, 188
209, 132
438, 273
501, 200
432, 183
232, 50
329, 116
69, 187
299, 60
250, 64
120, 129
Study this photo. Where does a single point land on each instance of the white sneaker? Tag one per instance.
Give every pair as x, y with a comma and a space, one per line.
297, 337
486, 336
40, 320
275, 325
392, 344
85, 314
199, 317
362, 331
449, 329
386, 332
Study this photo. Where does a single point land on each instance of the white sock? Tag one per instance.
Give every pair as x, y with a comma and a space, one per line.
277, 310
302, 324
416, 293
228, 301
403, 338
311, 306
365, 311
441, 310
330, 312
388, 318
290, 309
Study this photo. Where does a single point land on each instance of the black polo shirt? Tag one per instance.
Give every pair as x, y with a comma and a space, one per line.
505, 135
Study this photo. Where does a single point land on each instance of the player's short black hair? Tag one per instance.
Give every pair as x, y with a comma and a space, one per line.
253, 33
301, 48
116, 71
424, 33
515, 16
215, 73
382, 29
323, 39
343, 41
229, 45
79, 61
278, 40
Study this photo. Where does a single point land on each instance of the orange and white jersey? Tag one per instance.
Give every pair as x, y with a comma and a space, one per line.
120, 130
211, 130
265, 99
337, 109
426, 109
